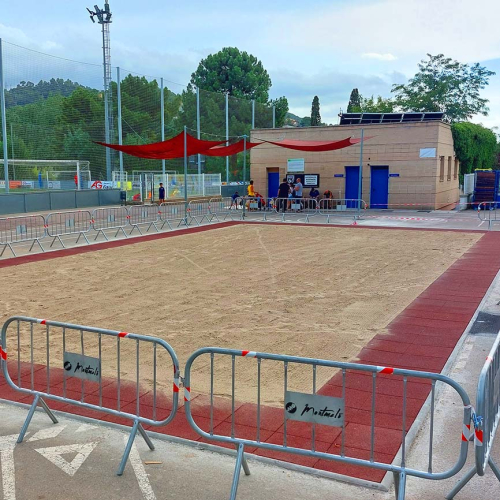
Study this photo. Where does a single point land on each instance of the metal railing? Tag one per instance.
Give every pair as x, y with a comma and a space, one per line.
21, 229
486, 420
294, 401
115, 218
226, 207
68, 223
487, 211
306, 206
173, 211
341, 207
83, 354
140, 215
199, 210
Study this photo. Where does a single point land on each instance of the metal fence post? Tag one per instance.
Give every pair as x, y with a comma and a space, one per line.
198, 126
253, 114
4, 123
274, 116
185, 177
120, 132
78, 180
162, 104
227, 135
360, 197
244, 172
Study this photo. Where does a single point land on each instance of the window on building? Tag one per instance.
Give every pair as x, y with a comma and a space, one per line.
455, 171
449, 168
441, 169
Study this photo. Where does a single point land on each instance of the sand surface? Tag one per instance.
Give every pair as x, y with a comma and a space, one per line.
304, 291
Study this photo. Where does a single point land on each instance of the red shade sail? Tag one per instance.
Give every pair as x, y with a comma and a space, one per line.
317, 145
237, 147
166, 150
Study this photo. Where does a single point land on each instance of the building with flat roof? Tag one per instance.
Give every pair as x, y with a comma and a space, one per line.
406, 163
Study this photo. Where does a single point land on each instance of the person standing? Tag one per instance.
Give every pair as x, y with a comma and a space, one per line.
283, 190
161, 194
250, 190
298, 190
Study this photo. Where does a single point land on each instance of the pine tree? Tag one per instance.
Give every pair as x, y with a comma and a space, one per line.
354, 105
315, 116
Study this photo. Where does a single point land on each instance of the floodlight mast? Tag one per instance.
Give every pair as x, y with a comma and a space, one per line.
104, 19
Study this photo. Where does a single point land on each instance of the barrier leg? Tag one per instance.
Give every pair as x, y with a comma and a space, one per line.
494, 468
103, 233
10, 248
146, 437
400, 485
461, 483
31, 412
126, 453
237, 470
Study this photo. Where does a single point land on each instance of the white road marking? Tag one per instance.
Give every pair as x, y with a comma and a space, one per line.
7, 445
49, 432
140, 473
85, 427
54, 455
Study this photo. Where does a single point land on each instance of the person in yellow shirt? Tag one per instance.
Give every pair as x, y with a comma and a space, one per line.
250, 190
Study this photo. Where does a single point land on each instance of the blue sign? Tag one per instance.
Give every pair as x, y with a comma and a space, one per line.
338, 175
393, 175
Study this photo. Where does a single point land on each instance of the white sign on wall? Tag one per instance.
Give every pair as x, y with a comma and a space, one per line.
295, 166
427, 153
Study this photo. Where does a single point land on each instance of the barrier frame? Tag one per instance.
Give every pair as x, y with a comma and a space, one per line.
148, 208
400, 472
488, 207
67, 218
335, 212
108, 211
23, 218
207, 213
487, 419
40, 396
301, 202
229, 211
166, 220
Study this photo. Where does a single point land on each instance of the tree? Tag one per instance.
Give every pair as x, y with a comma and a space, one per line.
315, 114
354, 105
445, 85
378, 105
229, 70
305, 122
475, 146
281, 110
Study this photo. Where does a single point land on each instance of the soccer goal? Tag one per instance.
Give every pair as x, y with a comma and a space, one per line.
30, 175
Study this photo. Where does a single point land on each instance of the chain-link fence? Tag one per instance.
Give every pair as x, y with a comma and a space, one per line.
55, 114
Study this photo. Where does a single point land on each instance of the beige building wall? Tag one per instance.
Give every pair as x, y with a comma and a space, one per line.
422, 182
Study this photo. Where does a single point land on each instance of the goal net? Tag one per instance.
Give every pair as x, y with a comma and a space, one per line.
27, 175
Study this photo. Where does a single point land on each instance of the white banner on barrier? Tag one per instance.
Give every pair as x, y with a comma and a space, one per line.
314, 409
80, 366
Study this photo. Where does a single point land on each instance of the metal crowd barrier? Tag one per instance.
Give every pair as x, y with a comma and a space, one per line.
341, 207
487, 418
199, 210
295, 401
307, 206
139, 215
487, 211
67, 223
256, 207
110, 218
226, 207
173, 211
21, 229
82, 374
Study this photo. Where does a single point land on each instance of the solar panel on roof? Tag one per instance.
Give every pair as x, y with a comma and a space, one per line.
370, 118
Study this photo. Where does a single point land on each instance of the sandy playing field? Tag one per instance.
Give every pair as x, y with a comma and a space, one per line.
306, 291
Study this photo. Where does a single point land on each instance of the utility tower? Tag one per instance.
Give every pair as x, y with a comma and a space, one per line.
104, 19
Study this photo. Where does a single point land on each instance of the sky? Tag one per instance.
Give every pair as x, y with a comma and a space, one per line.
319, 47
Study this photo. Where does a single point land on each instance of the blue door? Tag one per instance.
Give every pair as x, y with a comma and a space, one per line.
352, 186
379, 193
273, 183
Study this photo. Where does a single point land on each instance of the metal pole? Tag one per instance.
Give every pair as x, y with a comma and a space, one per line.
274, 116
227, 135
198, 127
162, 105
78, 180
244, 172
360, 194
253, 113
120, 132
185, 175
4, 122
12, 149
106, 107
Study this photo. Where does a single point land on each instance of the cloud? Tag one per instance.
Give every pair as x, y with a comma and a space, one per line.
379, 57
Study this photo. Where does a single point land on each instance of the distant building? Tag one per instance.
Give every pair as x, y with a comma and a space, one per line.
409, 160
